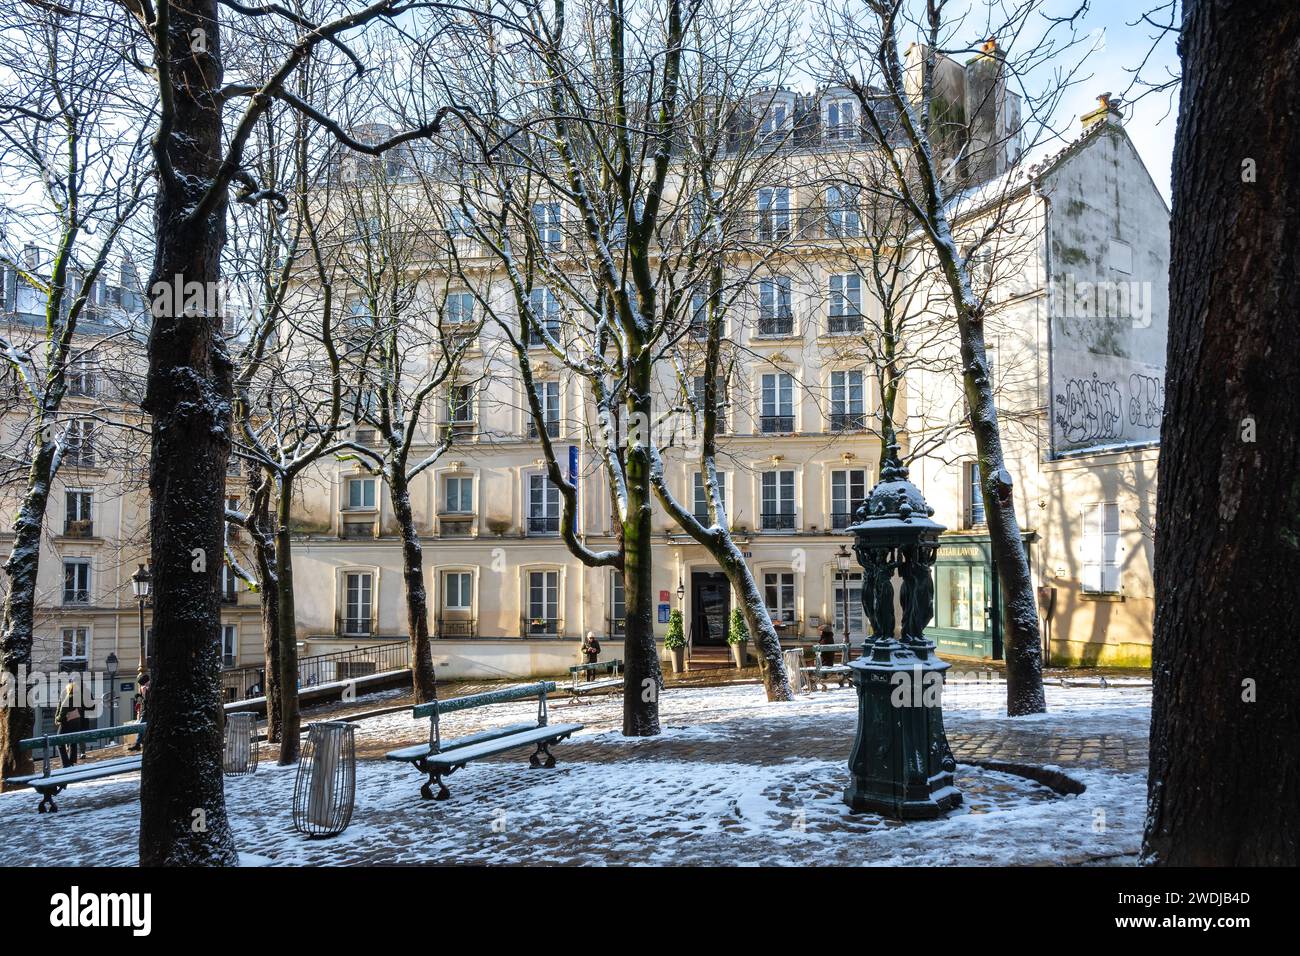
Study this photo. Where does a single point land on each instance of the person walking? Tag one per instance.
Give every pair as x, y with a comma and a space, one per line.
590, 648
141, 707
67, 720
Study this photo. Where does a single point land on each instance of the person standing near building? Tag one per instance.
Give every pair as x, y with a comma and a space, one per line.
141, 708
590, 648
67, 720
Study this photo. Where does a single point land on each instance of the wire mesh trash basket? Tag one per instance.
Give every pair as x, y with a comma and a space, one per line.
240, 754
326, 786
794, 664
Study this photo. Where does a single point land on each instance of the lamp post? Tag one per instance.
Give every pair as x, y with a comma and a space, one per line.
681, 591
901, 765
110, 671
140, 584
842, 558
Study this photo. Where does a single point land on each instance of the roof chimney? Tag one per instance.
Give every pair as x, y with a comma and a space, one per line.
1107, 111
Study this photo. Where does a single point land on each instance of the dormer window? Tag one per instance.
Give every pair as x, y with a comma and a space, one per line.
840, 119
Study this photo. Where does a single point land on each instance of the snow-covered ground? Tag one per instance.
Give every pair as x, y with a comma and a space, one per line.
729, 782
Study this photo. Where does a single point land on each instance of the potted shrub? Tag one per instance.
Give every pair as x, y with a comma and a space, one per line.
675, 641
738, 637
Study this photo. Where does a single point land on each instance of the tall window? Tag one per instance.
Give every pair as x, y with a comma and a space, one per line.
617, 605
77, 522
229, 644
778, 501
776, 413
848, 490
543, 506
546, 219
843, 218
544, 603
458, 494
701, 496
460, 407
778, 591
361, 493
75, 644
460, 308
719, 400
699, 327
773, 213
81, 374
546, 311
458, 590
840, 115
1100, 546
76, 581
358, 602
773, 122
460, 224
974, 496
775, 316
548, 396
848, 411
846, 303
857, 629
79, 445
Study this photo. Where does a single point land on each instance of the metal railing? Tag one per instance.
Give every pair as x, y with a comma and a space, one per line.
241, 683
353, 626
552, 428
457, 627
778, 521
541, 627
847, 421
778, 324
841, 520
772, 424
845, 322
543, 524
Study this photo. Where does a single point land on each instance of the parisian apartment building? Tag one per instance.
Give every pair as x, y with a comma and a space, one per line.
1076, 332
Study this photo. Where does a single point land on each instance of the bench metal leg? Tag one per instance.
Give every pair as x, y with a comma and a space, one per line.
426, 791
534, 759
47, 804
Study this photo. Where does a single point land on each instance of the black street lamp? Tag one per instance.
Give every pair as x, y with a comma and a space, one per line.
110, 671
901, 765
140, 584
681, 591
842, 559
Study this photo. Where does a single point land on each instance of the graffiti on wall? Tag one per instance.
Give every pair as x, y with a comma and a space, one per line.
1094, 409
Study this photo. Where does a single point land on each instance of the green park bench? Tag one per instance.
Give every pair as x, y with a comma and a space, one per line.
821, 673
583, 678
50, 781
439, 758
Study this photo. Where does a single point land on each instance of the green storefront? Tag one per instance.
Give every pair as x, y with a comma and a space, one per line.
967, 602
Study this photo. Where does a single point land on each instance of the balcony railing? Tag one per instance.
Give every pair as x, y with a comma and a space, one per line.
78, 528
775, 424
778, 324
543, 524
76, 596
841, 520
778, 520
847, 322
847, 421
457, 627
353, 626
240, 683
541, 627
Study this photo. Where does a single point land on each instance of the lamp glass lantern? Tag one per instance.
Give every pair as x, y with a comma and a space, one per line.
141, 582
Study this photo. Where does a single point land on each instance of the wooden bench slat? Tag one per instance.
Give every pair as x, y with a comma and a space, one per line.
80, 774
419, 751
488, 748
505, 695
598, 684
82, 736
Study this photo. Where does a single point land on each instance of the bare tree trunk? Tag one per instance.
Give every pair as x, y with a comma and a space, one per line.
423, 679
643, 675
290, 718
269, 595
1223, 790
16, 723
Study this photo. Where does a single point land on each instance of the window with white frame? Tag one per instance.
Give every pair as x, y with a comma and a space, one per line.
75, 644
229, 644
460, 308
775, 316
778, 592
548, 396
617, 605
79, 443
458, 494
543, 603
848, 402
358, 602
776, 409
460, 223
773, 213
546, 312
361, 494
778, 512
852, 600
845, 292
81, 374
543, 506
719, 401
848, 490
460, 406
77, 522
843, 217
458, 591
1100, 547
699, 327
701, 495
840, 117
774, 120
76, 580
546, 219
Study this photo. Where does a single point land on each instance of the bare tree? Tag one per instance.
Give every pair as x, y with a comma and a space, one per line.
68, 135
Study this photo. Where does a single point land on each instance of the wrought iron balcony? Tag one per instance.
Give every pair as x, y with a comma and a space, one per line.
457, 627
841, 520
778, 324
775, 424
353, 626
847, 421
543, 524
541, 627
778, 520
846, 322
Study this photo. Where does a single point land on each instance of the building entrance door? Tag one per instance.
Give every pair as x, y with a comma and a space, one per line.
710, 608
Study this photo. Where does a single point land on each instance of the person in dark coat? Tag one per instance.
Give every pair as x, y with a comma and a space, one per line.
590, 648
141, 708
827, 637
68, 720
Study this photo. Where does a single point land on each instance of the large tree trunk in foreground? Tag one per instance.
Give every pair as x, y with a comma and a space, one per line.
423, 678
290, 717
16, 723
182, 801
1223, 787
